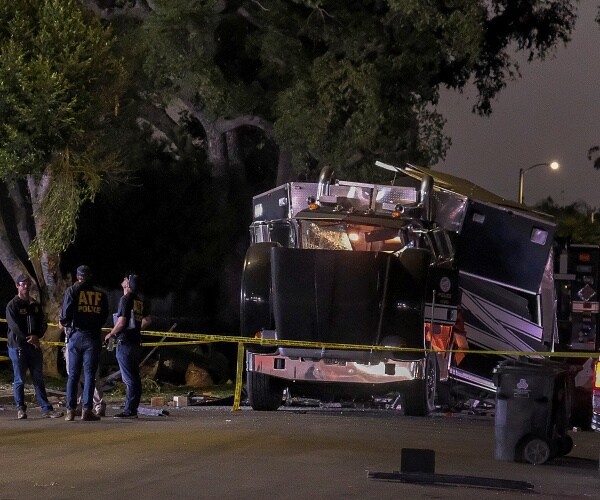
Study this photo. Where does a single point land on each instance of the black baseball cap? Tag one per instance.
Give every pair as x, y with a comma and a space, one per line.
22, 277
134, 281
84, 271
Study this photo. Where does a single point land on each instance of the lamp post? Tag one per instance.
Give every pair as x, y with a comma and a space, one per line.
553, 165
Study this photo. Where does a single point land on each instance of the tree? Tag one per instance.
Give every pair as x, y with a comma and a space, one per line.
318, 82
594, 157
338, 82
577, 223
593, 153
59, 86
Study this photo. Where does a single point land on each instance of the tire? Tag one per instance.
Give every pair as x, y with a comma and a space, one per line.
419, 398
255, 290
565, 445
265, 393
534, 450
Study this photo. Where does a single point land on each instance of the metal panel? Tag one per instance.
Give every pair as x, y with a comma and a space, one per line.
503, 246
283, 202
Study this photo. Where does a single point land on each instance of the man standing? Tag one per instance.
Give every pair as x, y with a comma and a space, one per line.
99, 404
83, 313
26, 325
129, 321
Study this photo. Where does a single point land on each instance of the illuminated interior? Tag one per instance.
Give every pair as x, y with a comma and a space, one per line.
344, 236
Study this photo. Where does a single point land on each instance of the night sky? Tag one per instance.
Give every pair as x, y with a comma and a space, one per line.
552, 113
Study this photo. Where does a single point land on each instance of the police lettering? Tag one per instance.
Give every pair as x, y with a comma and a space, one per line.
89, 302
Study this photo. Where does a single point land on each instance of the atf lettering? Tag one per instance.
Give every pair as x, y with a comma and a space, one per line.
89, 298
138, 309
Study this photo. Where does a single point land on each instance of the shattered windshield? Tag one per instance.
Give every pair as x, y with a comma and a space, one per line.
338, 235
347, 236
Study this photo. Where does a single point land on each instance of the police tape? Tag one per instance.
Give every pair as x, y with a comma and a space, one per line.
207, 338
200, 338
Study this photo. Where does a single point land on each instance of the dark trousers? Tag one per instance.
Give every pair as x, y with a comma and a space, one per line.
23, 359
129, 357
84, 351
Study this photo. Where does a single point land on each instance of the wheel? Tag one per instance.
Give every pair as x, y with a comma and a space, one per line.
536, 451
565, 445
419, 398
255, 292
431, 381
265, 393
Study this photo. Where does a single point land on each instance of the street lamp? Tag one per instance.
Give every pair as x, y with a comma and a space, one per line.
553, 165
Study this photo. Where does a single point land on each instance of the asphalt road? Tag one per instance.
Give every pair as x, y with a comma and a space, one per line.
212, 452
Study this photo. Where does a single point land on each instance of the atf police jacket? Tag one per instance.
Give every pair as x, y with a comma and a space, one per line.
24, 319
131, 306
85, 308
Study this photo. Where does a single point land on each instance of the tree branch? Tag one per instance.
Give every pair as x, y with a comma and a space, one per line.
17, 198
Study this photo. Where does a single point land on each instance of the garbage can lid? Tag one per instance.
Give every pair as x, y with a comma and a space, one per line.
531, 366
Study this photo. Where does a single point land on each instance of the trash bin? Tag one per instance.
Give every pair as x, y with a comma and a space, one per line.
533, 406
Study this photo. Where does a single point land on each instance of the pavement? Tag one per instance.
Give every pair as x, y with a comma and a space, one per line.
293, 453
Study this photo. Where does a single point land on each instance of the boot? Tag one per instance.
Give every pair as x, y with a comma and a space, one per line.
100, 411
88, 416
70, 415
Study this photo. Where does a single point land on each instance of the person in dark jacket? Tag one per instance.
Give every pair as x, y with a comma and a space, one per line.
26, 325
129, 320
84, 311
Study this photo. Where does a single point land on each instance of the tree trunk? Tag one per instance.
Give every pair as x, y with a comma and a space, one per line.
50, 280
54, 292
8, 256
285, 170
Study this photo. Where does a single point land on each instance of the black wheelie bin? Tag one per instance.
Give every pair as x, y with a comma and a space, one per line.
533, 407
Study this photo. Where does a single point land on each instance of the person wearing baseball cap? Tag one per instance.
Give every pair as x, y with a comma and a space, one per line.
84, 312
84, 273
26, 325
129, 320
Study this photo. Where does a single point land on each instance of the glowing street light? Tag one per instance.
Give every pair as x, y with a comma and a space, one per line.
553, 165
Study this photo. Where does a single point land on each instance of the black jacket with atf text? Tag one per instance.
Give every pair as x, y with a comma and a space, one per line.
24, 319
85, 308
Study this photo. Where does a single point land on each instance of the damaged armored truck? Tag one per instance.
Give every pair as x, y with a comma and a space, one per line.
368, 289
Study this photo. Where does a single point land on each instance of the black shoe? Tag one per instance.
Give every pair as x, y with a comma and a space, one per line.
89, 416
21, 414
125, 414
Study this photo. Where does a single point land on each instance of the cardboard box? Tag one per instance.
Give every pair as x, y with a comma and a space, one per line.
157, 401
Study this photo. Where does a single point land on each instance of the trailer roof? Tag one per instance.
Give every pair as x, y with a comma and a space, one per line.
464, 187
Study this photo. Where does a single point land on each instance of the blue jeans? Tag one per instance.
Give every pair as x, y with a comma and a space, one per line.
84, 351
129, 357
23, 359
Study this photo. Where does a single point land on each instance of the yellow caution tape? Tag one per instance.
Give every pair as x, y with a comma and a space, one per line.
197, 338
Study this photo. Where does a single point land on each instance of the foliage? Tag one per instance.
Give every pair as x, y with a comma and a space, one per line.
594, 157
344, 82
59, 83
577, 223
